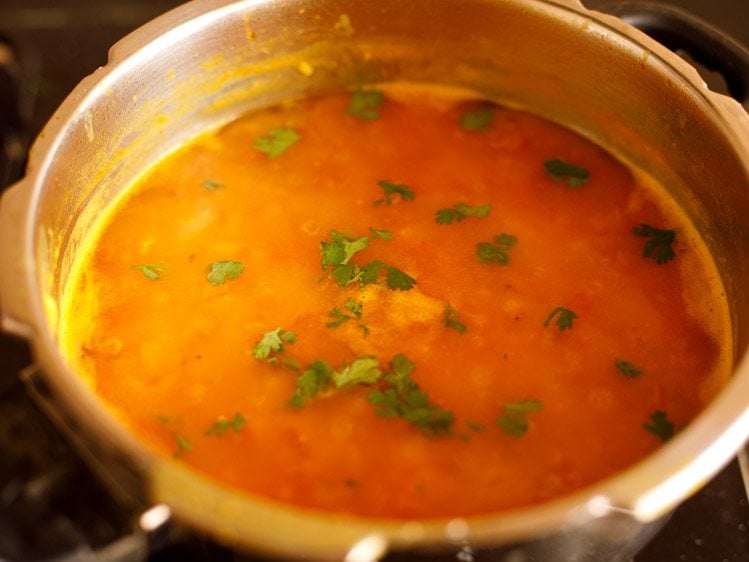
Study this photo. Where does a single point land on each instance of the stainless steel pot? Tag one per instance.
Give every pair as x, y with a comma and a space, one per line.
210, 60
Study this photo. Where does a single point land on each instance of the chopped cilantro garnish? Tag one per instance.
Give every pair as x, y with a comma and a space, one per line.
273, 342
659, 247
403, 398
212, 185
312, 381
319, 376
497, 250
514, 418
339, 317
364, 370
381, 234
151, 271
477, 119
183, 446
341, 249
220, 271
337, 253
451, 320
397, 280
448, 216
627, 369
660, 425
461, 211
277, 141
391, 190
346, 273
365, 103
559, 170
370, 273
183, 443
354, 307
223, 424
565, 318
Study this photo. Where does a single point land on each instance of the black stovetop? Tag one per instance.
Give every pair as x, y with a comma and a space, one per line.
51, 508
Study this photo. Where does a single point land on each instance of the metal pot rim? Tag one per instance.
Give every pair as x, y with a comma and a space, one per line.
645, 491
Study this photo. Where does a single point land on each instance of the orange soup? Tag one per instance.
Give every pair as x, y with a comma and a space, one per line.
398, 303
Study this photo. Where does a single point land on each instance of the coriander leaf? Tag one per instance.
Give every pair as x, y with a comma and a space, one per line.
319, 376
507, 240
497, 250
514, 425
391, 190
220, 271
338, 252
183, 446
559, 170
355, 307
222, 425
448, 216
341, 248
364, 370
365, 103
523, 406
461, 211
273, 342
403, 398
659, 247
211, 185
381, 234
371, 272
565, 318
477, 119
402, 366
514, 418
660, 425
354, 246
488, 252
333, 253
339, 317
346, 274
627, 369
312, 381
480, 211
151, 271
398, 280
451, 320
277, 141
429, 419
386, 402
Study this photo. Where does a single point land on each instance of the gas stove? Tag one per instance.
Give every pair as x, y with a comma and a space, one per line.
51, 507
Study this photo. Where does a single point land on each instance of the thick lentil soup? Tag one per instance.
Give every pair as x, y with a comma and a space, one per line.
398, 304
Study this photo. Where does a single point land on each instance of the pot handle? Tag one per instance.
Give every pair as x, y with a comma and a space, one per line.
15, 296
680, 30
